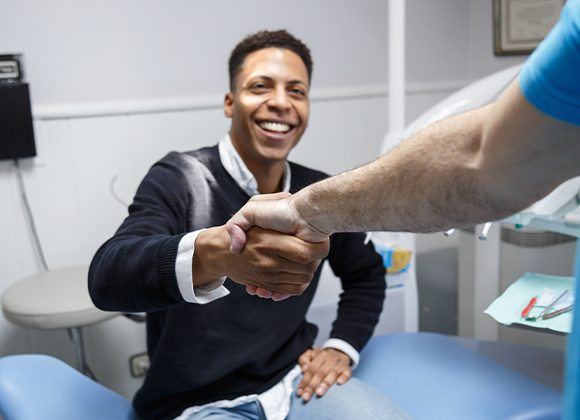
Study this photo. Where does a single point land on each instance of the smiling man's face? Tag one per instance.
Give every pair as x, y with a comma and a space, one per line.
269, 107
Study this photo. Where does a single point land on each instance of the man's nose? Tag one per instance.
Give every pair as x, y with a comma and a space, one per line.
280, 100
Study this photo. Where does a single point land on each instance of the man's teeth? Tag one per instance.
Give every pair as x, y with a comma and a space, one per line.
275, 126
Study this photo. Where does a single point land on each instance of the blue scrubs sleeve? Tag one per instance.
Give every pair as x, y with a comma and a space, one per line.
550, 78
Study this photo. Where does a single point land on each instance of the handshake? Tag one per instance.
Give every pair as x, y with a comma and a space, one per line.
273, 249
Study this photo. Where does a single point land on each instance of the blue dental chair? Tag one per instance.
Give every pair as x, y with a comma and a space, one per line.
430, 376
34, 386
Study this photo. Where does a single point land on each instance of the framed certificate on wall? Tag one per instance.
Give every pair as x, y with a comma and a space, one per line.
520, 25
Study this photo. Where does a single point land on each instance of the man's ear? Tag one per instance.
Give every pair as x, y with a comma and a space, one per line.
229, 105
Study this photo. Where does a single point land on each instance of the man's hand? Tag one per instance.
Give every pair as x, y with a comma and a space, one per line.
279, 264
322, 368
271, 211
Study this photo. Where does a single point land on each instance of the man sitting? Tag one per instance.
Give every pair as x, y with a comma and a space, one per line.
215, 350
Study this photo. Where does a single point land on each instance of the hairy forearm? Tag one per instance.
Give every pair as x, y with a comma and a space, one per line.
468, 169
412, 188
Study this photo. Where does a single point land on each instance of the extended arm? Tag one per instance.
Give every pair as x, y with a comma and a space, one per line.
135, 271
479, 166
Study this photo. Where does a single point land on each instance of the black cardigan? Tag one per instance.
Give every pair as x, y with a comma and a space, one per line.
236, 345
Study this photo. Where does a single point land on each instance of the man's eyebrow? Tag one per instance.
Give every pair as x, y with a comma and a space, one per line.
290, 82
297, 82
262, 76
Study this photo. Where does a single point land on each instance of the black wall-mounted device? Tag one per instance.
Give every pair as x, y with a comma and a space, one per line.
16, 130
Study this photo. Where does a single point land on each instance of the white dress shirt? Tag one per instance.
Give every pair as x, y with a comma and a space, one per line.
275, 401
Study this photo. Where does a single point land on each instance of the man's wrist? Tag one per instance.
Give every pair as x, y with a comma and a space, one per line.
211, 247
304, 205
344, 347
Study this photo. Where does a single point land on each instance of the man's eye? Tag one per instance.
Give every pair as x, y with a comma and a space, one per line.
298, 92
259, 86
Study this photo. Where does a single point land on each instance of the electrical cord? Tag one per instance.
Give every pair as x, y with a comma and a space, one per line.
30, 216
38, 244
40, 252
114, 193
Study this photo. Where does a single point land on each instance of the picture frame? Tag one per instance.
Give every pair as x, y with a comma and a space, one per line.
520, 25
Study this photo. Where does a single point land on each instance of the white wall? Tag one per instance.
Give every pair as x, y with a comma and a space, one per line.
481, 59
109, 56
111, 50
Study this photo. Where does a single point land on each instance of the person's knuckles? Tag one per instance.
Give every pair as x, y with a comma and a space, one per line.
297, 256
314, 384
304, 278
314, 368
316, 380
341, 380
302, 289
321, 356
344, 364
299, 268
320, 250
346, 374
337, 371
317, 362
302, 253
262, 239
326, 384
318, 377
285, 288
316, 251
312, 266
276, 288
330, 379
288, 278
306, 378
269, 264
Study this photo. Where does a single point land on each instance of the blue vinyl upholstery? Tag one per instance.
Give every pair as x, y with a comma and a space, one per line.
36, 387
430, 376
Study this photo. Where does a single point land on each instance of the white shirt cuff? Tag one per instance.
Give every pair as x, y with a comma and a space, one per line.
343, 346
183, 272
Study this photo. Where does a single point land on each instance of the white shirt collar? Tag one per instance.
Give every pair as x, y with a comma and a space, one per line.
235, 166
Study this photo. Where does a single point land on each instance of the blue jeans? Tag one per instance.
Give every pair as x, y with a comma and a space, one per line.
251, 411
352, 401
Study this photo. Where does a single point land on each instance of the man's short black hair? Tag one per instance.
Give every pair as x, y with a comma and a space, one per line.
267, 39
